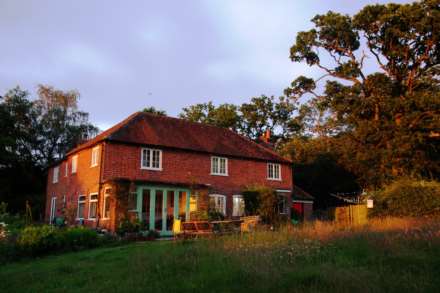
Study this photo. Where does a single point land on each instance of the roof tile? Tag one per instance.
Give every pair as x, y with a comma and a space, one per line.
149, 129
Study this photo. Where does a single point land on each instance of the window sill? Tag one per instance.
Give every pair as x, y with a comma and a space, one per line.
274, 179
105, 219
151, 169
93, 166
91, 219
219, 174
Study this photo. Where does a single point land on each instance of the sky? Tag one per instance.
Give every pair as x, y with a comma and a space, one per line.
123, 56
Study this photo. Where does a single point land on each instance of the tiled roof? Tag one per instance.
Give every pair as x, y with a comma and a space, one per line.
300, 194
153, 130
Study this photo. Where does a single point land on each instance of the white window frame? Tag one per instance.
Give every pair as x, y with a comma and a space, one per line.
215, 196
233, 205
273, 165
219, 160
53, 209
150, 167
284, 198
56, 174
95, 157
77, 208
106, 197
90, 204
74, 164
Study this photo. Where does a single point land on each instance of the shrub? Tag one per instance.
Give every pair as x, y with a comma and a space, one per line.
251, 199
262, 201
408, 197
200, 215
152, 235
127, 226
36, 240
14, 223
76, 238
214, 215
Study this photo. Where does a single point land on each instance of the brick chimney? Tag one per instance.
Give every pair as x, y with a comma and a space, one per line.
266, 136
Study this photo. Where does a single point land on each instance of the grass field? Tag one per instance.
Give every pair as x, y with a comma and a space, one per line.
392, 256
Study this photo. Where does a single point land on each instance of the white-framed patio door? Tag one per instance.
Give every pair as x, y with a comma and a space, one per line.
158, 206
53, 208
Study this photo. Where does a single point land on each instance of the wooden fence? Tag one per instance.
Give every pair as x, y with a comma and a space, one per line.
350, 215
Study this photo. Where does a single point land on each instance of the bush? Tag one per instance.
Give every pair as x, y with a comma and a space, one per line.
45, 239
200, 215
13, 224
35, 240
127, 226
408, 197
251, 199
262, 201
152, 235
214, 215
76, 238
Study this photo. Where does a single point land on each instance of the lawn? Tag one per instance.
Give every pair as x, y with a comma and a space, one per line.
396, 256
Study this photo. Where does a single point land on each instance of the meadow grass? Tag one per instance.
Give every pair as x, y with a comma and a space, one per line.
392, 255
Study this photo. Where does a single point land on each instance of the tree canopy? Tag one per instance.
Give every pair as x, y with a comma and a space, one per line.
36, 133
385, 123
155, 111
251, 119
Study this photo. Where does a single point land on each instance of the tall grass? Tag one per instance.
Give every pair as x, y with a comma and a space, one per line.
387, 255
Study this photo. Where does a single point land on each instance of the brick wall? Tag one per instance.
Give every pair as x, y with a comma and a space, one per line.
84, 182
124, 161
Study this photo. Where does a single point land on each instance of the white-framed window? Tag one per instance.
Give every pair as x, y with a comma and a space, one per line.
237, 205
217, 202
282, 204
53, 209
74, 163
273, 171
95, 157
106, 204
81, 207
64, 201
56, 174
66, 169
219, 166
151, 159
93, 206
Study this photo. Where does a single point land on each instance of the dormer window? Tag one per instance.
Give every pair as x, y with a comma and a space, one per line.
151, 159
273, 171
219, 166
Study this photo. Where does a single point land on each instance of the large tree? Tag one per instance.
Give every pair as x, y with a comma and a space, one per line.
251, 119
34, 134
224, 115
385, 122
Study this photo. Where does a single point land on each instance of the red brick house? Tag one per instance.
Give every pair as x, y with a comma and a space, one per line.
158, 168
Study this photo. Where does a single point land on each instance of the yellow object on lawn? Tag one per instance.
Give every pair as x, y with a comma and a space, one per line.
177, 226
